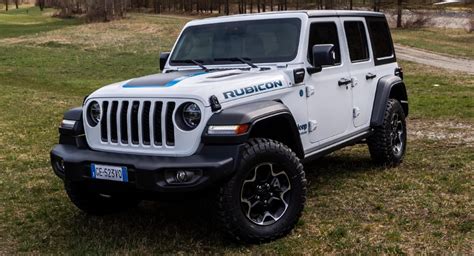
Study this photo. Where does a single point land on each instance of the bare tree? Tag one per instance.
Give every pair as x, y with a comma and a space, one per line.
40, 3
399, 13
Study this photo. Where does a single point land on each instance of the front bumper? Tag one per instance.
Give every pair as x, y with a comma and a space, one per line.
147, 173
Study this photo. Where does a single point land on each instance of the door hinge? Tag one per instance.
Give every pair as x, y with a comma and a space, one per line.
309, 91
312, 124
355, 112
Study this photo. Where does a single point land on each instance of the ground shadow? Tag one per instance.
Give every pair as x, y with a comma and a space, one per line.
167, 225
341, 163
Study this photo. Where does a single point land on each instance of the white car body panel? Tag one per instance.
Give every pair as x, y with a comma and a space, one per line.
330, 108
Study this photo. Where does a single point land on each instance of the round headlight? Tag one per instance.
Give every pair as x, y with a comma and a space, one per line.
191, 115
94, 113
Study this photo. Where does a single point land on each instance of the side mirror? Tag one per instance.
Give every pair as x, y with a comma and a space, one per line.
323, 55
163, 59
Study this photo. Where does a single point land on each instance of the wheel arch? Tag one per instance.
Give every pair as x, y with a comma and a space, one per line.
280, 127
75, 135
267, 119
388, 87
73, 114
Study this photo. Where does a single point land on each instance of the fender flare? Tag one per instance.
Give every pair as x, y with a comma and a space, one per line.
74, 114
253, 113
390, 86
74, 136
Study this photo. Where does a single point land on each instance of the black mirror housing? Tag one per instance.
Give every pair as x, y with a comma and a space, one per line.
323, 55
163, 59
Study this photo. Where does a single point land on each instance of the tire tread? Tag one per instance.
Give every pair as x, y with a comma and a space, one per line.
228, 221
379, 142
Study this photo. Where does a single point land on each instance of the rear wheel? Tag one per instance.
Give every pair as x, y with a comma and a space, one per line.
265, 198
387, 144
95, 203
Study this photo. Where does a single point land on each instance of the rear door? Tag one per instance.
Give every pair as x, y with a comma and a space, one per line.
361, 68
329, 104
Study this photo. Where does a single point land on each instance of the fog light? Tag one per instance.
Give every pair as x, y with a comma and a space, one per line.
182, 177
62, 165
59, 165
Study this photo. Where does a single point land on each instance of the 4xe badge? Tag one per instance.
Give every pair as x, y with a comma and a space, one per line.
253, 89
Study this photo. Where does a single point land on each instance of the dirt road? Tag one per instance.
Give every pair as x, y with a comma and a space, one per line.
436, 60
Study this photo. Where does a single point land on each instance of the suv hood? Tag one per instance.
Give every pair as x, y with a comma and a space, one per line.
227, 85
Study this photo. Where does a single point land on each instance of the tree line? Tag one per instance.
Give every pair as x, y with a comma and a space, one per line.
7, 3
105, 10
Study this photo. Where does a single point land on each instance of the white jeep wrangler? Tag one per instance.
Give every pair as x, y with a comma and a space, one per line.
241, 103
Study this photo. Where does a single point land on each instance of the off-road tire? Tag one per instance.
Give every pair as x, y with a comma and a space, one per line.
231, 216
94, 203
381, 142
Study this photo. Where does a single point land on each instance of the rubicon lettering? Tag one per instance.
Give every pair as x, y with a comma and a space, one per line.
253, 89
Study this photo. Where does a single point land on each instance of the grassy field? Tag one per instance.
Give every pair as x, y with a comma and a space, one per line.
455, 42
49, 65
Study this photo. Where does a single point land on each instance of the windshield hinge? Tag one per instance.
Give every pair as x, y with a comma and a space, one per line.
313, 125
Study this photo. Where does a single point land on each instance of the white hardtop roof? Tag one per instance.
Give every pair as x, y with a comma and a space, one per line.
281, 14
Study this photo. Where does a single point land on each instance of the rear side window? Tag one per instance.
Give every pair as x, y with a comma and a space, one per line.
324, 33
381, 40
356, 41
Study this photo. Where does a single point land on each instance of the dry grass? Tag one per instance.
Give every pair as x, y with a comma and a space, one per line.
119, 35
451, 132
453, 42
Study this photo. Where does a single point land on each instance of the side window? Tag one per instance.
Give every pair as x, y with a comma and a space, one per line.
356, 41
324, 33
381, 40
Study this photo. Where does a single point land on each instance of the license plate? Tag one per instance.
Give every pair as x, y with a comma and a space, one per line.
107, 172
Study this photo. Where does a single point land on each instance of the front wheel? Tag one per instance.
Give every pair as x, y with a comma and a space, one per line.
387, 144
265, 198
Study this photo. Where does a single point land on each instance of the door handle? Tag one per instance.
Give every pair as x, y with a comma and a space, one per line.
370, 76
344, 81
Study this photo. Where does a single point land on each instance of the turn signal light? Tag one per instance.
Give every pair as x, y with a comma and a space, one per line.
228, 129
67, 124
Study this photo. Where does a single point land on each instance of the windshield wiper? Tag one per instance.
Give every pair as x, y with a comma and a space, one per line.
243, 60
195, 62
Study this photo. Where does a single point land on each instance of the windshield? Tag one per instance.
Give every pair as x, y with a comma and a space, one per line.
258, 41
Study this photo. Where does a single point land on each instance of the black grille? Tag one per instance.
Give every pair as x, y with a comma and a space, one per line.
123, 122
103, 123
135, 108
113, 122
158, 138
146, 123
137, 122
169, 124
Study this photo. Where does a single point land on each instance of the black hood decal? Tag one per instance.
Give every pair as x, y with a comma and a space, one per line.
162, 79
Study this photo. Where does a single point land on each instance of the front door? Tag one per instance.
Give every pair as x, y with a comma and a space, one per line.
329, 98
